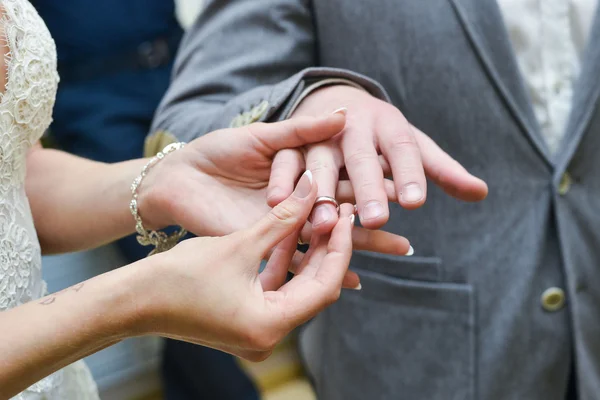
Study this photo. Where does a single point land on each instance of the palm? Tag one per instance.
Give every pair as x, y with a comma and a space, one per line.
229, 183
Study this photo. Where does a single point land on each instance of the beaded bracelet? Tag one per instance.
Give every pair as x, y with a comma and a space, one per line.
160, 240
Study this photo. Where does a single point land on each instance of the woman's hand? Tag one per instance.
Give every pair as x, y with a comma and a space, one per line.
217, 184
209, 291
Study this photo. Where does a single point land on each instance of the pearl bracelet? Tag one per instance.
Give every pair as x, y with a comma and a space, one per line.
160, 240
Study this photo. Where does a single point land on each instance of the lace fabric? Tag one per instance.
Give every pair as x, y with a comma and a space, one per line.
25, 113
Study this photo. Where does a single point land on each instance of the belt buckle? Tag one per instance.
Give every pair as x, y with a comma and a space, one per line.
153, 54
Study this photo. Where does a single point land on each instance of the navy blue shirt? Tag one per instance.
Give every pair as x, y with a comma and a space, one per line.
80, 29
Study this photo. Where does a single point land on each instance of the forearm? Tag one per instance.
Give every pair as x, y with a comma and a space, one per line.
78, 203
42, 336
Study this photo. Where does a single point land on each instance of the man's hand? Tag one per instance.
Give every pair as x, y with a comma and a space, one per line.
217, 184
377, 141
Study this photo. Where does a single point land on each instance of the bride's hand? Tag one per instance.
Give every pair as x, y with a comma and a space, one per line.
217, 184
209, 291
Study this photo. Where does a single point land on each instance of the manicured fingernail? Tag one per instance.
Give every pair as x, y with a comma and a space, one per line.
341, 110
321, 215
410, 251
411, 193
352, 218
358, 287
304, 186
372, 210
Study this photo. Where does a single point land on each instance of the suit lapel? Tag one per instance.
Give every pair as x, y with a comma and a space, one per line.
585, 97
483, 23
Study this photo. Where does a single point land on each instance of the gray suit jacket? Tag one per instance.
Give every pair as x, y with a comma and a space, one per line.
477, 313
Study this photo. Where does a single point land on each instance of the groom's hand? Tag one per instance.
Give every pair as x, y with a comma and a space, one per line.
377, 141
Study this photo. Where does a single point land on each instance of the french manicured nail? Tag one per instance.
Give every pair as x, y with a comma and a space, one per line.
372, 210
341, 110
411, 193
321, 215
410, 251
304, 186
352, 218
358, 287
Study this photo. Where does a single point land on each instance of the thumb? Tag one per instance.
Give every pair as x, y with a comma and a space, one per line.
294, 132
287, 217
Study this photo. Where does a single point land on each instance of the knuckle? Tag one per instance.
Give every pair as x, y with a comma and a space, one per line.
253, 132
282, 213
359, 157
323, 168
403, 142
333, 296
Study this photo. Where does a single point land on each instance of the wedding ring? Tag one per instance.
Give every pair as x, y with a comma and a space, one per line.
327, 199
322, 200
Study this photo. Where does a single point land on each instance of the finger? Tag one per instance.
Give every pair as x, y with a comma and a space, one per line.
275, 272
380, 242
399, 146
334, 266
345, 192
351, 279
269, 138
319, 248
376, 241
287, 165
385, 166
365, 174
286, 218
324, 161
306, 296
447, 173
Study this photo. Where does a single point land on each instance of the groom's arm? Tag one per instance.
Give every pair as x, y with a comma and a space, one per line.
244, 61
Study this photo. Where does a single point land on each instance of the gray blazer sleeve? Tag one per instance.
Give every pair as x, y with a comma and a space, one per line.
244, 61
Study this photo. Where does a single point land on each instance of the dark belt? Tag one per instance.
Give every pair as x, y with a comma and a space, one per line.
148, 55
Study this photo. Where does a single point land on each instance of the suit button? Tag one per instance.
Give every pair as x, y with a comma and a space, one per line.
553, 299
565, 184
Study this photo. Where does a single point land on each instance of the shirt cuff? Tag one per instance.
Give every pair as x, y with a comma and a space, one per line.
319, 84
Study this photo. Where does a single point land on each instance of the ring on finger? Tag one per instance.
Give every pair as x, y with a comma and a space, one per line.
326, 199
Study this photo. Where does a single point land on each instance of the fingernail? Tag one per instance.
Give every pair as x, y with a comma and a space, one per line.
410, 251
304, 186
372, 210
352, 218
321, 215
341, 110
411, 193
359, 287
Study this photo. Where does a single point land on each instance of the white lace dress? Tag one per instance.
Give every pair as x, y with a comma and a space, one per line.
25, 113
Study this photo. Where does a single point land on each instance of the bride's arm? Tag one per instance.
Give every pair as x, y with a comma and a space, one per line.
78, 203
45, 335
180, 294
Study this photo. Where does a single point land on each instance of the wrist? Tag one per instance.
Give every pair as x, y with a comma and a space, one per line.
131, 298
144, 312
329, 98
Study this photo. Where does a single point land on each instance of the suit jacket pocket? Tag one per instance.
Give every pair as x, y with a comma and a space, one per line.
395, 339
428, 269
